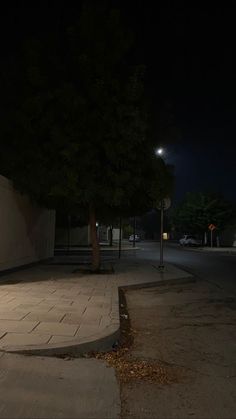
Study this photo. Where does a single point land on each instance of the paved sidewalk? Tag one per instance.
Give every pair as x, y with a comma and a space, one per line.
47, 387
218, 249
48, 309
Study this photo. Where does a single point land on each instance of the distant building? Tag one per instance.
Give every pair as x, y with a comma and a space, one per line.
74, 236
104, 233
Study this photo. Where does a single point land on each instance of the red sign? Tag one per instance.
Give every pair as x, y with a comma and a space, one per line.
212, 227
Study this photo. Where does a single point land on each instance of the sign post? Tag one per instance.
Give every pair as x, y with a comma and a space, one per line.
211, 227
161, 265
164, 205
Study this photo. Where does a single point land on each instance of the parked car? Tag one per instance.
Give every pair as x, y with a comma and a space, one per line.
131, 238
188, 240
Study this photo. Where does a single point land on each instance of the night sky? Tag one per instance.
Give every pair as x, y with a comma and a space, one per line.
189, 52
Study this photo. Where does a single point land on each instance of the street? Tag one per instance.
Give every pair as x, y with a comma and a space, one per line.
188, 326
189, 330
218, 268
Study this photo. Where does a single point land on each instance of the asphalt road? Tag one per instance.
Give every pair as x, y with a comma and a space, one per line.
217, 268
187, 326
189, 330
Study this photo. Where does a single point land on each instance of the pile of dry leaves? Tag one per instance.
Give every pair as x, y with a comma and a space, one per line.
126, 366
130, 369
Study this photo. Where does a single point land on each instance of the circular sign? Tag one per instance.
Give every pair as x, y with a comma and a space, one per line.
165, 204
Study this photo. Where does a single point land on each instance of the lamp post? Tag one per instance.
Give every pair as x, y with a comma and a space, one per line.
159, 152
161, 263
164, 205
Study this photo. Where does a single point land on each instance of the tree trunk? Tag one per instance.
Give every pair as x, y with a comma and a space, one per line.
96, 257
120, 227
134, 231
68, 231
203, 238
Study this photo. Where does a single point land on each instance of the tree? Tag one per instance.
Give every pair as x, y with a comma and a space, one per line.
199, 210
74, 127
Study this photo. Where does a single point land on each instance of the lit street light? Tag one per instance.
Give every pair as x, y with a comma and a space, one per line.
161, 263
164, 204
160, 151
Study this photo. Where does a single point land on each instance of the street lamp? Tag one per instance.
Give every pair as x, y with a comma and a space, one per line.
159, 151
164, 204
161, 263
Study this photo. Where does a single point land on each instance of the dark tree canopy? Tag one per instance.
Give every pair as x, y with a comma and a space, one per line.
74, 123
199, 210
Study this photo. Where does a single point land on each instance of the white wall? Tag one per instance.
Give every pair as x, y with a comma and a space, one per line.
26, 231
104, 233
78, 236
116, 233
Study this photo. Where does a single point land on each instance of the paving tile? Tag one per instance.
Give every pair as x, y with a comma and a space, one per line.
86, 331
93, 312
94, 306
85, 294
52, 328
66, 293
92, 320
33, 308
58, 308
41, 316
39, 295
4, 288
16, 291
72, 318
4, 294
2, 334
12, 315
9, 299
56, 301
27, 299
15, 326
107, 306
60, 339
18, 339
98, 294
8, 306
80, 299
105, 322
5, 308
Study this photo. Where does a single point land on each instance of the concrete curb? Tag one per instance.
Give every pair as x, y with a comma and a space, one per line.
105, 339
176, 281
97, 342
216, 250
103, 248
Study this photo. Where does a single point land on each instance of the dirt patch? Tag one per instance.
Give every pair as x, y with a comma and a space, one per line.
129, 368
189, 345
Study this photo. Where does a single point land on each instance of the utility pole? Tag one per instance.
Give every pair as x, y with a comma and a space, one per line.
161, 264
